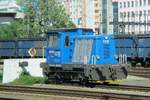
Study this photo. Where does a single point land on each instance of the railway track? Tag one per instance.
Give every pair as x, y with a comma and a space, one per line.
75, 93
143, 72
125, 87
117, 87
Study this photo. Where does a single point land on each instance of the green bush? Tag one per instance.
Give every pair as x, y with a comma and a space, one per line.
28, 80
1, 76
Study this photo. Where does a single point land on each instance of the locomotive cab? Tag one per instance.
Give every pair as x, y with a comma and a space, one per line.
60, 45
57, 44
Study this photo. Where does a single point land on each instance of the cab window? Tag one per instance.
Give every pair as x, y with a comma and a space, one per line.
53, 40
67, 41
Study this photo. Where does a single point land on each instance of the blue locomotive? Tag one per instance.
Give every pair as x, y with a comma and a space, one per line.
79, 55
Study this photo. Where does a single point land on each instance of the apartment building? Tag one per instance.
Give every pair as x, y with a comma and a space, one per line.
106, 16
133, 16
93, 14
97, 15
81, 12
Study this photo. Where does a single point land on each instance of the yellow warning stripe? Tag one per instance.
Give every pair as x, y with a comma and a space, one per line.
110, 81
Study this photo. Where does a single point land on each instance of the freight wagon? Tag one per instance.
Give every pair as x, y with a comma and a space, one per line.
135, 47
20, 48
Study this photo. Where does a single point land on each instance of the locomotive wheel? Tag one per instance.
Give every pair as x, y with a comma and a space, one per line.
56, 79
143, 64
133, 64
85, 82
147, 64
91, 85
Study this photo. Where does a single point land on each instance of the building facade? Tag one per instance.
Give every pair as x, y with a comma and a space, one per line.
9, 6
97, 15
106, 16
81, 12
94, 14
133, 16
9, 11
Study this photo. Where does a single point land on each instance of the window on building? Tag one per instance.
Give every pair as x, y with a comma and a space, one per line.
132, 3
133, 14
144, 2
144, 12
120, 4
140, 2
96, 5
148, 19
124, 4
148, 12
148, 2
140, 14
128, 14
124, 14
96, 11
136, 3
145, 15
128, 4
133, 32
136, 13
121, 15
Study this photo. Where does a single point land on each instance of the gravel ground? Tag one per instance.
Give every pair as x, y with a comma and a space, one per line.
136, 81
131, 80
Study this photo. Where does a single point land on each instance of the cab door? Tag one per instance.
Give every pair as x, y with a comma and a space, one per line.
53, 51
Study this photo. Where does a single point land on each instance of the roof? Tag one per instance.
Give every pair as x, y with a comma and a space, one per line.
132, 35
2, 14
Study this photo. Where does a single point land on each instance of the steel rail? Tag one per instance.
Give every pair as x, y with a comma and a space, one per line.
140, 68
125, 87
144, 75
73, 93
143, 72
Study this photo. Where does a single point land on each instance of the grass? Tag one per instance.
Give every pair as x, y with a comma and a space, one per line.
28, 80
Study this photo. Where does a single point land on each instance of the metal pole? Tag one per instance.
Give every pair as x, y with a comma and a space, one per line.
128, 21
145, 21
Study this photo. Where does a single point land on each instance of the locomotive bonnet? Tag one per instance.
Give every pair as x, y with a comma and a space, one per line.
79, 55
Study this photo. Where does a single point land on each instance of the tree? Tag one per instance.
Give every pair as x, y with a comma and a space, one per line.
43, 15
40, 16
14, 30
